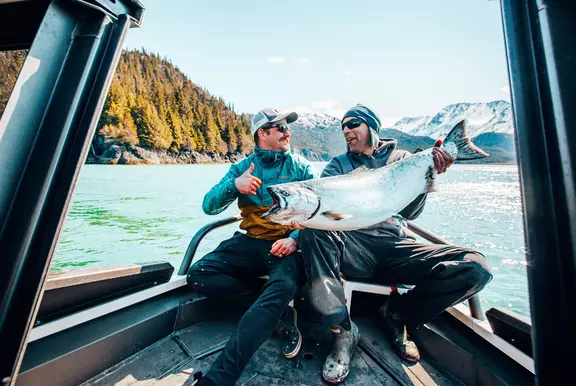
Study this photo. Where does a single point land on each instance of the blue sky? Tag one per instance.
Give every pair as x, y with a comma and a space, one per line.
402, 58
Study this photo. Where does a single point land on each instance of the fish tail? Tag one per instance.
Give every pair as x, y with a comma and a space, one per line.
466, 149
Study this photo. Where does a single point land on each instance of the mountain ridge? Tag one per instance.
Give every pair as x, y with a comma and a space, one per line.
154, 113
318, 136
481, 117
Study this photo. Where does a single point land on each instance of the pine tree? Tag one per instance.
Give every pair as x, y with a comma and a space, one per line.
152, 132
211, 132
175, 124
229, 136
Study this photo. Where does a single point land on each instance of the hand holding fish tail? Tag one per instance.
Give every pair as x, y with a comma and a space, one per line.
442, 160
247, 183
284, 247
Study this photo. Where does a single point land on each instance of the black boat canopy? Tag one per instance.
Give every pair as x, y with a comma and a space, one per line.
73, 49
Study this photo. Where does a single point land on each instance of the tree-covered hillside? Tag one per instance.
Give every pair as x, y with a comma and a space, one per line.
151, 103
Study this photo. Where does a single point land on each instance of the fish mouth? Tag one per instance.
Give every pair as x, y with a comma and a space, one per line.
278, 203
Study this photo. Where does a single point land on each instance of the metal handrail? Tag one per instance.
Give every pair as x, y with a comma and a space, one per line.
193, 246
473, 302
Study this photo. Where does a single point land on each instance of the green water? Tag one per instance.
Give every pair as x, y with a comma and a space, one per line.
136, 214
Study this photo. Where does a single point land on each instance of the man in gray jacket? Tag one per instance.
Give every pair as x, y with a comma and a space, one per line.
443, 275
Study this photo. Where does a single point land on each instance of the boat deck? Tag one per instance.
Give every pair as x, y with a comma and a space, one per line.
173, 360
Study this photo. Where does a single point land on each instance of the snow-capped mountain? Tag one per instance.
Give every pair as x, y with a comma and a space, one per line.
317, 121
492, 117
317, 136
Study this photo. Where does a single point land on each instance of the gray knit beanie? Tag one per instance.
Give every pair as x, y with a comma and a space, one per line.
368, 116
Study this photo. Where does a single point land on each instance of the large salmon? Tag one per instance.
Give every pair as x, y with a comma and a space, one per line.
365, 197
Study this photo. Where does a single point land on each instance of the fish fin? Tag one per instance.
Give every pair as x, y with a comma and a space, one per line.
466, 149
430, 180
360, 169
336, 216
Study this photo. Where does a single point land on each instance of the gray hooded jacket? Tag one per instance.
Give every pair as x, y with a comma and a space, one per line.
384, 155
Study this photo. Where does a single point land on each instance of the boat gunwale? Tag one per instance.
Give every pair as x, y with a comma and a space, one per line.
100, 310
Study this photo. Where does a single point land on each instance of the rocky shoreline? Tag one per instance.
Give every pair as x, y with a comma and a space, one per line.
135, 155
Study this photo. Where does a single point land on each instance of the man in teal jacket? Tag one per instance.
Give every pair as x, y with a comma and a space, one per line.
228, 273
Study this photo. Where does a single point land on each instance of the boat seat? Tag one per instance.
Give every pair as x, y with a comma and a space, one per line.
350, 285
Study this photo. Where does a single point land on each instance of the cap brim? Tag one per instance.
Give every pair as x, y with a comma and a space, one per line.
290, 117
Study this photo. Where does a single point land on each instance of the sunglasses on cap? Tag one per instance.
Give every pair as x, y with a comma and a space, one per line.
352, 124
282, 127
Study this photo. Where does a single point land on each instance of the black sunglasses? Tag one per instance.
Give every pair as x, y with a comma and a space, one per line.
282, 127
352, 124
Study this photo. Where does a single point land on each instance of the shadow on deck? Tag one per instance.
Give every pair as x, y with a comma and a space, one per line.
173, 360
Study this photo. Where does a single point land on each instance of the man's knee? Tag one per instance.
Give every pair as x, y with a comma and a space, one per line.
481, 274
326, 296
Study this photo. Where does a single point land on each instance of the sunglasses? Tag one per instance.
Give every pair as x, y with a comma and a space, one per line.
282, 127
352, 124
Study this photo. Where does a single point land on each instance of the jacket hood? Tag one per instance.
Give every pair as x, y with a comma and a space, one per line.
385, 146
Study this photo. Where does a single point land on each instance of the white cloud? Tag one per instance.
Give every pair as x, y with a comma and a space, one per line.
303, 61
347, 73
276, 59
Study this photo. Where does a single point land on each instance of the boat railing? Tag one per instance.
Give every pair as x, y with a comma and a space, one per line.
195, 242
473, 302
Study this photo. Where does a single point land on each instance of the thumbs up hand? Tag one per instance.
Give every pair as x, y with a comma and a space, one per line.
247, 183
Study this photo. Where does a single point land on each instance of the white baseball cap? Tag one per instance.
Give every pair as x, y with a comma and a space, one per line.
269, 115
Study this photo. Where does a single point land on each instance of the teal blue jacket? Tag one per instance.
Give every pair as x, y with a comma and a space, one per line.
271, 168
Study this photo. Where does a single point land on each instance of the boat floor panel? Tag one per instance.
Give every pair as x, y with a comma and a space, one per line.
306, 367
375, 343
204, 337
148, 365
172, 361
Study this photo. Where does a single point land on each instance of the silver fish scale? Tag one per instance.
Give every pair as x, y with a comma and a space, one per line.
367, 197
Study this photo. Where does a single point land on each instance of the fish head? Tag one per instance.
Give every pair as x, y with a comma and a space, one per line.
292, 202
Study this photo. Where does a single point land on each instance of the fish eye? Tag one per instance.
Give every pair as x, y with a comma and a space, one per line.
285, 193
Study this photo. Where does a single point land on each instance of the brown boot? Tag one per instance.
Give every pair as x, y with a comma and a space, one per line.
395, 329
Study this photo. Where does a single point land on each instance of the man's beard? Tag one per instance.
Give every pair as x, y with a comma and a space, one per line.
284, 145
